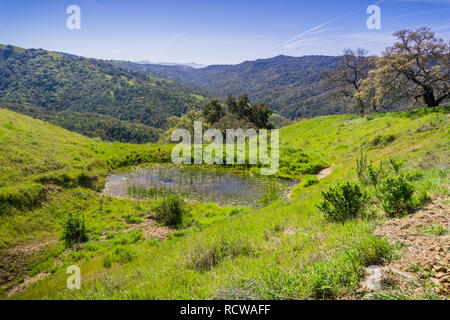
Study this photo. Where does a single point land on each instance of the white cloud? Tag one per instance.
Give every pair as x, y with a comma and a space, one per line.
318, 29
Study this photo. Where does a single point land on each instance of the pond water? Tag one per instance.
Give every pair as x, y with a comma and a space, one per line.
197, 185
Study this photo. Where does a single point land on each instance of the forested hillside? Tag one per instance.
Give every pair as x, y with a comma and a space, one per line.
290, 85
90, 96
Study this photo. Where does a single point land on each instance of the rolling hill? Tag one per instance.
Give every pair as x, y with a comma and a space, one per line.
91, 96
290, 85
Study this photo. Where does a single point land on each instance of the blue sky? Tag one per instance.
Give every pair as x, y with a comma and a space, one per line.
213, 32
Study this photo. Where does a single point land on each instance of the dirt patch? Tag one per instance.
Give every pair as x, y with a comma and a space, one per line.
15, 262
150, 229
26, 283
425, 254
325, 172
290, 231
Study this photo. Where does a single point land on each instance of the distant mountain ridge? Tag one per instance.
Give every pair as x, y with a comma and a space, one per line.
290, 85
192, 64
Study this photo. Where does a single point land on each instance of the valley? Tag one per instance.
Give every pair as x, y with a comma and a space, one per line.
285, 250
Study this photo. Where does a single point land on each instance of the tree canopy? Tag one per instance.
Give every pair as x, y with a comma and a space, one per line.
415, 69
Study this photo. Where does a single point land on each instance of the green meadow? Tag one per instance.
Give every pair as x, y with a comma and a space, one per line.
285, 250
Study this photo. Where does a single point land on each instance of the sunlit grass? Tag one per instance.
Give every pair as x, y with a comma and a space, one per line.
284, 250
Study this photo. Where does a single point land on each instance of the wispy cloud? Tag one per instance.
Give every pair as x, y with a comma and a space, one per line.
173, 38
292, 43
312, 30
323, 30
179, 35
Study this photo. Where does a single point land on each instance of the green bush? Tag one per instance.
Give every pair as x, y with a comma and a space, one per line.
395, 194
124, 255
342, 202
421, 199
361, 167
107, 261
205, 255
132, 219
382, 140
396, 165
74, 230
436, 230
310, 181
170, 212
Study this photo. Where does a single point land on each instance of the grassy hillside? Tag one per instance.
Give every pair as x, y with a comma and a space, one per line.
39, 160
91, 96
286, 250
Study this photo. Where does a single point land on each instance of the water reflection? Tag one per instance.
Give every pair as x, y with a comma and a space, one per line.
198, 185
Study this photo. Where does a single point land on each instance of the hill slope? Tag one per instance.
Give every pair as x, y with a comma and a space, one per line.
98, 99
286, 250
291, 85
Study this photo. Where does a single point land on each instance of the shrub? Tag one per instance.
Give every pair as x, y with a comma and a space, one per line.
436, 230
421, 199
132, 219
396, 165
107, 261
310, 181
343, 202
74, 230
374, 175
361, 167
383, 140
123, 254
170, 211
395, 194
205, 255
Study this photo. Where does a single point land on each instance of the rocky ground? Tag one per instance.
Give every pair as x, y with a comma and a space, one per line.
422, 268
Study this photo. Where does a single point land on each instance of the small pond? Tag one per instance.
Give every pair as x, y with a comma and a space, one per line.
197, 185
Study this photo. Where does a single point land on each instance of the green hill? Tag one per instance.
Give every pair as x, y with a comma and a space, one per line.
287, 250
90, 96
290, 85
